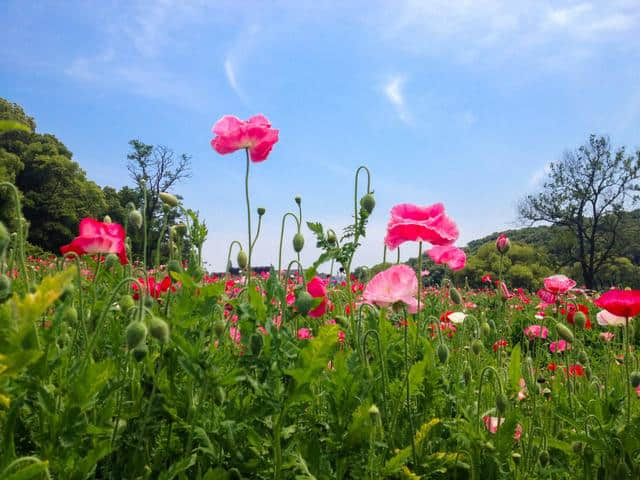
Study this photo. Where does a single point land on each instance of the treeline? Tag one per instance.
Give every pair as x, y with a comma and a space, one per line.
56, 193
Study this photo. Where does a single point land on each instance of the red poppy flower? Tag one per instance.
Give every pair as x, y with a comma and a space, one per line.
623, 303
98, 237
153, 288
502, 343
576, 370
552, 367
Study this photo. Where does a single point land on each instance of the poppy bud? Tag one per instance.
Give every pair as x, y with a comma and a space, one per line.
111, 260
242, 259
174, 266
304, 302
159, 329
261, 211
221, 395
466, 375
140, 351
331, 237
374, 413
501, 403
368, 203
547, 392
476, 346
635, 379
503, 244
544, 458
443, 353
298, 242
564, 332
126, 302
255, 343
455, 296
106, 219
70, 315
168, 199
218, 327
580, 319
582, 357
486, 329
492, 324
516, 457
135, 218
5, 238
298, 199
135, 333
5, 287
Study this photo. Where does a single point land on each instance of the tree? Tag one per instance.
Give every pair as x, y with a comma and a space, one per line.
587, 192
161, 169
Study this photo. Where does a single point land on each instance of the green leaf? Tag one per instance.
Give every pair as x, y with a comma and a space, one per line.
27, 472
10, 125
257, 304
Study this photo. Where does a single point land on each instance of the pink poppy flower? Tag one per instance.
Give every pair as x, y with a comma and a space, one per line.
536, 331
413, 223
623, 303
98, 237
304, 334
254, 134
454, 257
522, 393
558, 284
559, 346
503, 244
396, 284
235, 334
606, 319
607, 336
492, 424
317, 289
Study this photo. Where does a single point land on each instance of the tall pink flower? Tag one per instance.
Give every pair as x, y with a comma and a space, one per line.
503, 244
395, 284
317, 289
413, 223
254, 134
559, 346
558, 284
454, 257
98, 237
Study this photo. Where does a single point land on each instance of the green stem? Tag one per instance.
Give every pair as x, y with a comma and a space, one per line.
626, 368
284, 217
235, 242
382, 365
162, 231
406, 369
246, 194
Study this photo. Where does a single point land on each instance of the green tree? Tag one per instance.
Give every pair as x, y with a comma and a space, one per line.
587, 192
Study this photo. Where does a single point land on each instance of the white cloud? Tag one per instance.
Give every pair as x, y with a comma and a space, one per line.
539, 176
230, 73
393, 90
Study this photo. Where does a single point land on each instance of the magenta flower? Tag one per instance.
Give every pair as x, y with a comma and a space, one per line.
98, 237
558, 284
536, 331
502, 244
317, 289
396, 284
254, 134
413, 223
454, 257
304, 334
559, 346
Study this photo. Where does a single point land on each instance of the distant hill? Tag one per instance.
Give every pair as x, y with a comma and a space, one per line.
541, 236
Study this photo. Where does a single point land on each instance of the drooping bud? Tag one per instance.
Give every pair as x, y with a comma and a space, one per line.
242, 259
304, 302
106, 219
5, 238
261, 211
466, 375
135, 333
486, 329
298, 199
503, 244
255, 343
111, 260
140, 351
159, 329
580, 319
126, 302
476, 346
331, 237
635, 379
455, 296
221, 395
368, 203
374, 413
443, 353
501, 403
135, 218
564, 332
168, 199
298, 242
130, 206
576, 447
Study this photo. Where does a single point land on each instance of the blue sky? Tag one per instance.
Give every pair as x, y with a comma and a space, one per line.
460, 102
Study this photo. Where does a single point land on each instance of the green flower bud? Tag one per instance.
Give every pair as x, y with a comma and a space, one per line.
516, 457
221, 395
455, 296
492, 325
135, 333
261, 211
67, 292
69, 315
180, 228
168, 199
331, 237
564, 332
304, 302
580, 319
140, 351
126, 303
544, 458
635, 379
111, 260
148, 301
242, 259
174, 266
159, 329
298, 242
477, 346
130, 206
368, 203
443, 353
501, 403
5, 238
374, 413
255, 343
588, 373
135, 218
298, 199
466, 375
106, 219
486, 329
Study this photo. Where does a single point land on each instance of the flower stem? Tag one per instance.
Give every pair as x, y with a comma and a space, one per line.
626, 368
246, 194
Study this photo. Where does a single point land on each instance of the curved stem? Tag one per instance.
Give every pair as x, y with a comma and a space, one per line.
235, 242
355, 217
246, 194
255, 239
283, 301
284, 217
480, 380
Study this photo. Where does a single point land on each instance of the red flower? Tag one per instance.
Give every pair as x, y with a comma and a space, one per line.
98, 237
317, 289
486, 279
502, 343
576, 370
154, 289
623, 303
552, 367
571, 310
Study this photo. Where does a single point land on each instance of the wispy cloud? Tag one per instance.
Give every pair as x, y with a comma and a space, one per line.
393, 90
230, 73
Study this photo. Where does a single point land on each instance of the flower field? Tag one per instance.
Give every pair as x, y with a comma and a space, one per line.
119, 368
